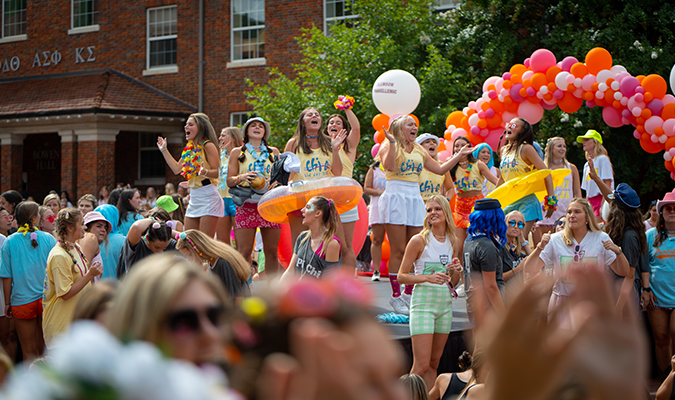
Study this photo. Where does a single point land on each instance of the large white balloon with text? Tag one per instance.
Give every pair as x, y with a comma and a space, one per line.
396, 92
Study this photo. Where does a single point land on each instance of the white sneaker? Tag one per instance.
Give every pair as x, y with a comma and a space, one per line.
376, 276
398, 305
406, 298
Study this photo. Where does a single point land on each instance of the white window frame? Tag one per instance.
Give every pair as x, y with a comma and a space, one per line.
261, 28
327, 20
13, 38
94, 27
234, 115
454, 4
164, 68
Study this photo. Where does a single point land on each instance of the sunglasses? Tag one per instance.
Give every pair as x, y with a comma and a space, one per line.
521, 224
188, 321
578, 254
8, 217
512, 126
51, 219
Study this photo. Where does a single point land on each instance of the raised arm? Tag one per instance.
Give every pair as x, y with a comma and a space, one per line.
335, 143
171, 162
602, 184
440, 169
136, 230
355, 135
485, 171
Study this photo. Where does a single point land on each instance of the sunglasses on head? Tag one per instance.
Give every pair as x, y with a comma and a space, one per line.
521, 224
51, 219
187, 321
512, 126
578, 253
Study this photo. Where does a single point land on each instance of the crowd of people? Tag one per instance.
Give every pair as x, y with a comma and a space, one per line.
540, 277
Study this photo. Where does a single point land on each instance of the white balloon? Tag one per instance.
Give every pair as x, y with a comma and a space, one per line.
672, 79
396, 92
604, 75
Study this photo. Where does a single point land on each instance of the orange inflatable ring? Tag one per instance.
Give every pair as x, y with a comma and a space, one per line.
278, 202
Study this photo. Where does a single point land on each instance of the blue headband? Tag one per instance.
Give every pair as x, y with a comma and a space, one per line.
480, 147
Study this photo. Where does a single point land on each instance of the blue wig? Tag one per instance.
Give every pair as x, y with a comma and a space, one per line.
488, 222
480, 147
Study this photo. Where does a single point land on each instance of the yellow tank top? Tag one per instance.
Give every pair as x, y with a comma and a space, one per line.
196, 181
430, 184
313, 166
223, 189
347, 165
248, 165
410, 168
468, 179
512, 165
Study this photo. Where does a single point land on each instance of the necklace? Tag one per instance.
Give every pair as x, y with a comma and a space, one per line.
463, 184
439, 238
312, 137
556, 162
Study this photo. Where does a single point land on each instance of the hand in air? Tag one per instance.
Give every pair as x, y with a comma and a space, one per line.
161, 143
338, 138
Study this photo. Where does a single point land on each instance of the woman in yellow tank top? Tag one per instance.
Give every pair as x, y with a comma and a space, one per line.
199, 164
252, 160
430, 183
519, 157
337, 124
318, 154
467, 176
401, 206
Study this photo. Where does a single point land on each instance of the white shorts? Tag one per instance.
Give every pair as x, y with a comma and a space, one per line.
374, 211
401, 204
205, 201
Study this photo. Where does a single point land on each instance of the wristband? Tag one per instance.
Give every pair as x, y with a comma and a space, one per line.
647, 289
525, 243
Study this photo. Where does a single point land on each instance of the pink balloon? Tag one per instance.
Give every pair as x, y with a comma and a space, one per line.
481, 115
508, 116
475, 130
492, 94
458, 132
652, 123
515, 92
507, 76
587, 82
375, 149
530, 91
567, 62
669, 127
639, 97
549, 106
484, 132
443, 155
531, 112
590, 104
541, 60
489, 81
640, 89
490, 113
492, 139
612, 117
625, 114
636, 134
526, 63
655, 106
625, 121
672, 151
393, 117
628, 85
672, 175
528, 74
636, 111
668, 99
558, 94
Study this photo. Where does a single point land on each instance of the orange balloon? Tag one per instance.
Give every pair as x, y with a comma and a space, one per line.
571, 87
588, 96
482, 124
640, 78
538, 80
465, 124
495, 121
548, 96
484, 106
640, 128
659, 131
497, 105
670, 143
527, 83
551, 87
650, 147
511, 106
669, 165
516, 78
600, 102
379, 137
616, 104
656, 85
597, 60
441, 146
474, 139
386, 250
518, 69
640, 121
507, 85
646, 113
470, 112
579, 70
379, 121
552, 72
455, 118
594, 87
534, 99
609, 96
648, 97
447, 136
522, 92
570, 103
491, 87
668, 111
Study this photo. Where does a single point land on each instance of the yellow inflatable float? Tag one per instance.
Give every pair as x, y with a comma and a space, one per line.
530, 183
278, 202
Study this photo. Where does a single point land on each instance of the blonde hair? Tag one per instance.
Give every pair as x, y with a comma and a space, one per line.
548, 156
51, 196
235, 133
142, 303
591, 224
396, 129
207, 248
519, 246
449, 222
599, 150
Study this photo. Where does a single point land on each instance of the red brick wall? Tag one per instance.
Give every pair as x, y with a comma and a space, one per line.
121, 44
12, 157
96, 169
69, 168
42, 163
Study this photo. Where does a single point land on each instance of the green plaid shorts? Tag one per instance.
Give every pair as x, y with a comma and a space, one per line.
430, 310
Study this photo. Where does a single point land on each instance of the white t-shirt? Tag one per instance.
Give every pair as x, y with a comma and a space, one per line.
591, 252
604, 170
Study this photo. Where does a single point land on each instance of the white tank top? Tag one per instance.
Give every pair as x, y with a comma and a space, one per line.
379, 179
435, 258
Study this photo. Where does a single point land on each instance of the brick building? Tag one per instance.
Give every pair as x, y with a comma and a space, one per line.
87, 85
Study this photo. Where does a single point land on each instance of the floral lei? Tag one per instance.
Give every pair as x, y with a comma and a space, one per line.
192, 157
467, 172
260, 159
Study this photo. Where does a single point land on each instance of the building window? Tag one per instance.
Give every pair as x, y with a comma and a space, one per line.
337, 11
248, 29
446, 4
13, 18
162, 37
239, 118
151, 161
85, 13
